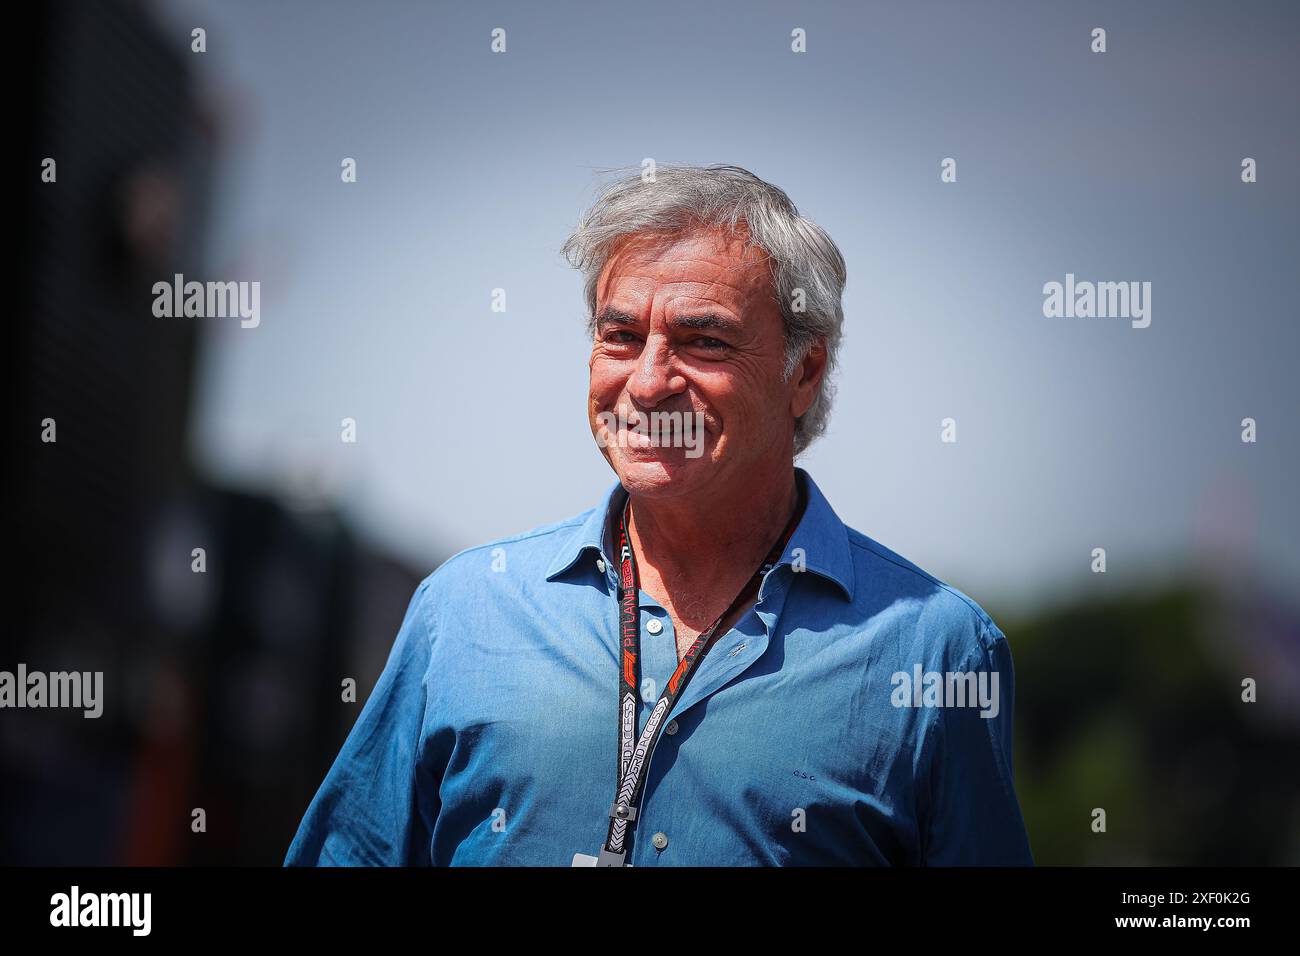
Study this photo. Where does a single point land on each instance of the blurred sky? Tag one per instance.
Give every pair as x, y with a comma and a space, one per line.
473, 168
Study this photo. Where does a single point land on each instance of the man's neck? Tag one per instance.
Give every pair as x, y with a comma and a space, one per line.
694, 554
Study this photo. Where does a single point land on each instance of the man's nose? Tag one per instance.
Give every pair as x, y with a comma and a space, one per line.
655, 377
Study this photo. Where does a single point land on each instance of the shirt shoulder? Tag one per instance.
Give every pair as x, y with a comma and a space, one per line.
946, 621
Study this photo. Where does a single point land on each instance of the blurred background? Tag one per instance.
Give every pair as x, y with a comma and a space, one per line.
223, 688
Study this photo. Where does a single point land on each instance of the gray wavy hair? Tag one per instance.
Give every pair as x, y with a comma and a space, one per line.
681, 199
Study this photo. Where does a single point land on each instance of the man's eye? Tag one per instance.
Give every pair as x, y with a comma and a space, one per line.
710, 343
619, 337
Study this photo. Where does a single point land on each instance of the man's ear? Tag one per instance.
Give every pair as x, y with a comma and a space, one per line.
807, 377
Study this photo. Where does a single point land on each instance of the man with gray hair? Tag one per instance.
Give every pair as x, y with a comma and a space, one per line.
707, 668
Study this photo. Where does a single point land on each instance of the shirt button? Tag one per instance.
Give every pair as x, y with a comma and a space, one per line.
660, 840
671, 728
600, 565
654, 627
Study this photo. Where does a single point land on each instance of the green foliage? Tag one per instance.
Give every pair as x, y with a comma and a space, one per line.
1134, 706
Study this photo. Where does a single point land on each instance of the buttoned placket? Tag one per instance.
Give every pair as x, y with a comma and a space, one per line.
731, 654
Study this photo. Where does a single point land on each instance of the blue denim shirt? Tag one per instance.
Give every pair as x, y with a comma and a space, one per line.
490, 737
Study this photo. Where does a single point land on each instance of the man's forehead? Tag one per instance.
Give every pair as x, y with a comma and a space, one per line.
722, 265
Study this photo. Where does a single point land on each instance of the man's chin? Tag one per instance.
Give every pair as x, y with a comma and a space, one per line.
658, 476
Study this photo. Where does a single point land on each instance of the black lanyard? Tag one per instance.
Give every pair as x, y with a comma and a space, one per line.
634, 753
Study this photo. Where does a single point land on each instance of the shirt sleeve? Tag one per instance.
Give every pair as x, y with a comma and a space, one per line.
376, 806
972, 815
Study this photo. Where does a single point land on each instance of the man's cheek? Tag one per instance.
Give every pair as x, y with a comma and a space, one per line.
605, 428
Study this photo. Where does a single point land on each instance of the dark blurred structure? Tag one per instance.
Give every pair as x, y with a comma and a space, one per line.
222, 689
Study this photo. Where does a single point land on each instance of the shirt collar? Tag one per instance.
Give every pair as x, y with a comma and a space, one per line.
820, 542
590, 535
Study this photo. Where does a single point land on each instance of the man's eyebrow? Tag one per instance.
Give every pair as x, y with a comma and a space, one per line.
708, 320
703, 321
610, 316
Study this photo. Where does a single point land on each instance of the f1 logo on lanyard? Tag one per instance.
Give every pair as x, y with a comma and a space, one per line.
633, 752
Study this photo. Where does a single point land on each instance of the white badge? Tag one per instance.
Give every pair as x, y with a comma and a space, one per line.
582, 859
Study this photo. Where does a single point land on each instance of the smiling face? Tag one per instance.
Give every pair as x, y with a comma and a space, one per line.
689, 325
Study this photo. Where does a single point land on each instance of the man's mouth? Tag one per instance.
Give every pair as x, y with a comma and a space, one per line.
652, 434
632, 438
